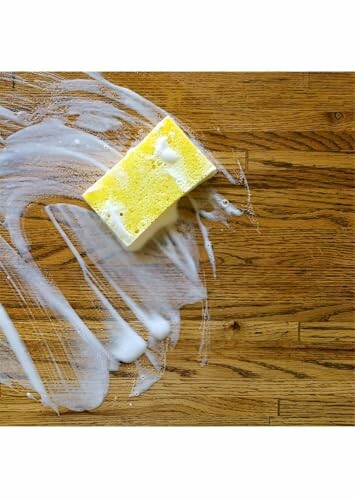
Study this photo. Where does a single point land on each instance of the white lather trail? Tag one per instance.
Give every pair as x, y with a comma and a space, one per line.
56, 146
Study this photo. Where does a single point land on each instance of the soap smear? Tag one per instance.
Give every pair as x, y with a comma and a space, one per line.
52, 149
164, 151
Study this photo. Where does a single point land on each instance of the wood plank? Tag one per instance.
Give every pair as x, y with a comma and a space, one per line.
333, 334
270, 363
319, 420
315, 140
255, 333
289, 295
339, 408
257, 364
153, 411
301, 90
174, 382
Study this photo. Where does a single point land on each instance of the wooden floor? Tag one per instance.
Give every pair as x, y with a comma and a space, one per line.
282, 320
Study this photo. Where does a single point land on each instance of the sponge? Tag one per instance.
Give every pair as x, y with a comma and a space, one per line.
138, 196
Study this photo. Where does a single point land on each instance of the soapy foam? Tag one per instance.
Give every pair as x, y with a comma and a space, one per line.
164, 151
125, 344
129, 274
8, 115
24, 359
145, 379
59, 147
205, 235
83, 382
205, 334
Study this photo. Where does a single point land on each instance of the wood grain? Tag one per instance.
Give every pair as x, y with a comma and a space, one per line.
282, 315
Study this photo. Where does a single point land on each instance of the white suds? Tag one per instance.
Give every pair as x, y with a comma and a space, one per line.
23, 357
58, 146
145, 379
168, 155
125, 344
8, 115
227, 175
225, 205
206, 240
205, 331
164, 151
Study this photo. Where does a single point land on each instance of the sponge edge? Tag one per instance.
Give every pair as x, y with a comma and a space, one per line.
167, 218
139, 195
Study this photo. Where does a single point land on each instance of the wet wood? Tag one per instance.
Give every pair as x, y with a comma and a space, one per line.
282, 315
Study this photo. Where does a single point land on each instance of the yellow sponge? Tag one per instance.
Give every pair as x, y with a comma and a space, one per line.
138, 195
